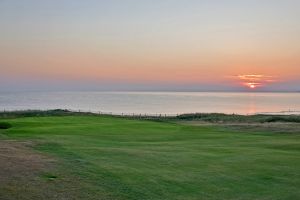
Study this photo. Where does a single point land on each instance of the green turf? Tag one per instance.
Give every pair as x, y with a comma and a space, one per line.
117, 158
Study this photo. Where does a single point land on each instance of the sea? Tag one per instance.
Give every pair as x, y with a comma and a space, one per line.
154, 103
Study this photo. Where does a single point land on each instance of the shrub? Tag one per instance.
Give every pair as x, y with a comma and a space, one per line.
4, 125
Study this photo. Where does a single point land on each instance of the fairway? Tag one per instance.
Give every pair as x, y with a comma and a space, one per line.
105, 157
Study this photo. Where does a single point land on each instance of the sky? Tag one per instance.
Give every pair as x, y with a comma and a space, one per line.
190, 45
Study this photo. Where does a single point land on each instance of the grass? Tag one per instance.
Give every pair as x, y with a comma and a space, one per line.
119, 158
202, 117
219, 117
49, 176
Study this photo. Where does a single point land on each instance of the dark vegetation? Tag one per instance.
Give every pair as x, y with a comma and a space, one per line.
5, 125
219, 117
39, 113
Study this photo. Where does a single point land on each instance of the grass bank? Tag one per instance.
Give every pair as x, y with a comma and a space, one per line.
107, 157
201, 117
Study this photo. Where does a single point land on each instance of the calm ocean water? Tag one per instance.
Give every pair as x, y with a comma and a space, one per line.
154, 102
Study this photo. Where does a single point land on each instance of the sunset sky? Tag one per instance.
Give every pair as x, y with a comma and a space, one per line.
190, 45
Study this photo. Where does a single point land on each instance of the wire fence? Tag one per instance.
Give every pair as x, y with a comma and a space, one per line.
126, 114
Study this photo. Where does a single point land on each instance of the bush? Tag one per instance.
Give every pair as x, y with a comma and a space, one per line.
295, 119
4, 125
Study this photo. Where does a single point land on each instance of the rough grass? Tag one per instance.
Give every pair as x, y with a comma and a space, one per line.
224, 118
117, 158
39, 113
205, 117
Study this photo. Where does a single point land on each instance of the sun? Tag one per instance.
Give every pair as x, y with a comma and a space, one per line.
252, 86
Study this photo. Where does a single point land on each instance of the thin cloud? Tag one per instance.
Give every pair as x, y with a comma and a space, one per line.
254, 80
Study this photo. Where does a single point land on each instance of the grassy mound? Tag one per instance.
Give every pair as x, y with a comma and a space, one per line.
219, 117
205, 117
